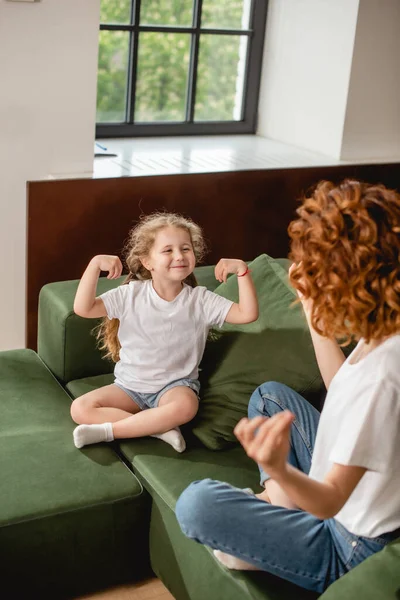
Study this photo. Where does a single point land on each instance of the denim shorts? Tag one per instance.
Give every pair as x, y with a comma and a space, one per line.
151, 400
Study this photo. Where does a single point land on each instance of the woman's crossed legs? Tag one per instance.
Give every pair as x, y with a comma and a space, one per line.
287, 542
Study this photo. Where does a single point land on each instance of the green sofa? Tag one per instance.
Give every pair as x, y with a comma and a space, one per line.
72, 521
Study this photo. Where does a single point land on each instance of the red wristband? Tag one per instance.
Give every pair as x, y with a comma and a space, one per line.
245, 273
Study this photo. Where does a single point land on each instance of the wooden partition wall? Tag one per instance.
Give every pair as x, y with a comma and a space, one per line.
242, 213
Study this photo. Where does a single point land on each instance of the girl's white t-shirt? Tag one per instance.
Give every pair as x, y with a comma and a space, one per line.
360, 426
161, 341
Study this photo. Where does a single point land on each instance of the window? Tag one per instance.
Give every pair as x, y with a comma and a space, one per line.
178, 67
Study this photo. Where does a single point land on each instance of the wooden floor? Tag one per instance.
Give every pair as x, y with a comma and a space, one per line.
150, 589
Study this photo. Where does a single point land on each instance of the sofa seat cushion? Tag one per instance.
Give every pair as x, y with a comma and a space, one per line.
168, 473
42, 470
65, 514
78, 387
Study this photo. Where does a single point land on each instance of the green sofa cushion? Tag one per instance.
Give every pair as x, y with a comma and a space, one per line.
277, 347
168, 473
78, 387
67, 516
37, 430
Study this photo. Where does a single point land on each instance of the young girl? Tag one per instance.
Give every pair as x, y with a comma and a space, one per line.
331, 481
155, 329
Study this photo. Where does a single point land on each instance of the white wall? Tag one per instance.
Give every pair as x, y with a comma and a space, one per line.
48, 70
372, 125
306, 70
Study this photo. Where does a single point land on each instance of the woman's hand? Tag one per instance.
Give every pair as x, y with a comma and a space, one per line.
108, 263
229, 265
267, 440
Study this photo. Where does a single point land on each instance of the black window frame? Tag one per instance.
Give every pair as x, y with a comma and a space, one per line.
251, 87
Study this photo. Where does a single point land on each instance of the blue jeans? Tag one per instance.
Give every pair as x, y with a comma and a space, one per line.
291, 544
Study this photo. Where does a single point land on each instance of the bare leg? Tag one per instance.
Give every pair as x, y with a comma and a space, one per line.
177, 406
106, 404
96, 411
174, 436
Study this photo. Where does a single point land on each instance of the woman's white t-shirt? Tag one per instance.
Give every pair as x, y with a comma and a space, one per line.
161, 341
360, 426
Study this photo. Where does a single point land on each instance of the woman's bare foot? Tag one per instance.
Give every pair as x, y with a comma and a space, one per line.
263, 496
233, 563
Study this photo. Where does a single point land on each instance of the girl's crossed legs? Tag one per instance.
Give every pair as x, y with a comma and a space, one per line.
110, 413
286, 542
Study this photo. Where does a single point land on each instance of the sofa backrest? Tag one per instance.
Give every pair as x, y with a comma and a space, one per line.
66, 342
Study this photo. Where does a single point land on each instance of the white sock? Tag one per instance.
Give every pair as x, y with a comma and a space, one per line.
234, 563
174, 438
91, 434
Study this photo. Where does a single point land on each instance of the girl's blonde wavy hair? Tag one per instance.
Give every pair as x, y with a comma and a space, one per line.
346, 245
140, 241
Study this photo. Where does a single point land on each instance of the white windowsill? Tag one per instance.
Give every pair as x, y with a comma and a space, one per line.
135, 157
205, 154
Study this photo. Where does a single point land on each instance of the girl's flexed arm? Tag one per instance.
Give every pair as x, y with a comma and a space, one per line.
86, 304
266, 440
246, 311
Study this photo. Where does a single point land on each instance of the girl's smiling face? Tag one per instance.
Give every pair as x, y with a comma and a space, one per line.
171, 257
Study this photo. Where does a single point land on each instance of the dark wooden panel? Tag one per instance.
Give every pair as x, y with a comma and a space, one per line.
243, 214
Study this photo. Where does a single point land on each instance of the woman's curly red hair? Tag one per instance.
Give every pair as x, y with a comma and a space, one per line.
346, 246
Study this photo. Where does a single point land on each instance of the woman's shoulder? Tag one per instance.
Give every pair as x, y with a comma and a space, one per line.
390, 355
390, 349
382, 364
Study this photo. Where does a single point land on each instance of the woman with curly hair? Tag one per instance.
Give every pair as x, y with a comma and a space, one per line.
331, 480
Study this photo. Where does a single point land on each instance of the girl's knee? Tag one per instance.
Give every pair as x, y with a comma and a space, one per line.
189, 411
78, 410
183, 412
74, 410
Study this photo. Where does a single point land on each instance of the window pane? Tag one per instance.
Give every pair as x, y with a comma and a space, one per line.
226, 14
166, 12
163, 61
112, 76
220, 77
115, 11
